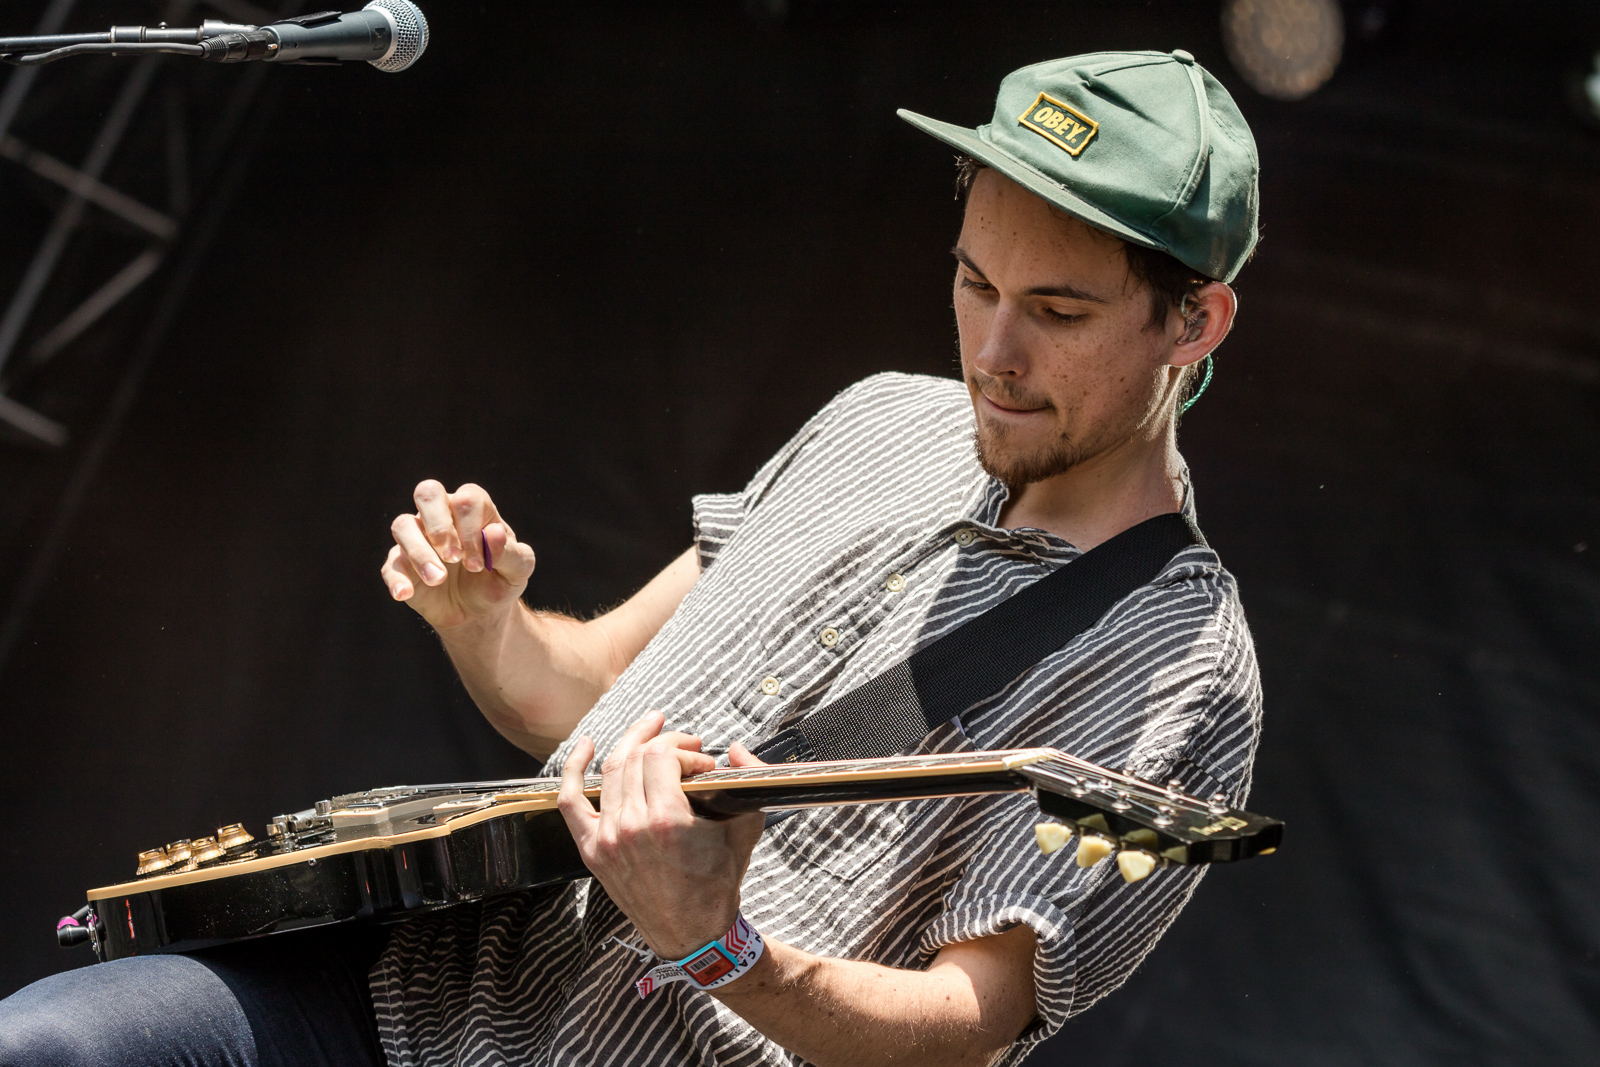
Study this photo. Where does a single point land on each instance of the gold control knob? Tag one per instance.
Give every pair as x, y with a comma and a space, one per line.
153, 861
204, 848
178, 851
234, 835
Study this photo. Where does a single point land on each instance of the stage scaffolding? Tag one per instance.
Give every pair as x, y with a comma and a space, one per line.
115, 172
150, 92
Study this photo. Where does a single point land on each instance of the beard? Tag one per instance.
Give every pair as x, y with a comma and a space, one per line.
1015, 467
1011, 462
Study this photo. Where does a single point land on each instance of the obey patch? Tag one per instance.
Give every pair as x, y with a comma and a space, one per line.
1061, 124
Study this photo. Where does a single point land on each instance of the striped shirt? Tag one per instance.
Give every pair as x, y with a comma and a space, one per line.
871, 534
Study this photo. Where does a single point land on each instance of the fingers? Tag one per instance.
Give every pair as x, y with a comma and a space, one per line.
642, 774
437, 522
685, 750
511, 559
471, 510
661, 778
462, 527
621, 787
580, 816
398, 575
640, 732
739, 756
419, 551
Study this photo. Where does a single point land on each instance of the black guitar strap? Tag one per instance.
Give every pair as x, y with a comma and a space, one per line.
890, 713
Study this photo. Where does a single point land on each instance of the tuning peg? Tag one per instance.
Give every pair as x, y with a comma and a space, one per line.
1051, 836
1135, 864
1091, 850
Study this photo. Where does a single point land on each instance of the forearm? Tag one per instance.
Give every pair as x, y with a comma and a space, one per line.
533, 674
847, 1013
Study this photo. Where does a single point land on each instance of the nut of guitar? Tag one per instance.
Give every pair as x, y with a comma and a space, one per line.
1051, 836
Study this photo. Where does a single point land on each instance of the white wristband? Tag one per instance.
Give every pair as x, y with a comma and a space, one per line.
712, 965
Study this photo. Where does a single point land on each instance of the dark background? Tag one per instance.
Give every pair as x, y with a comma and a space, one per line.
599, 257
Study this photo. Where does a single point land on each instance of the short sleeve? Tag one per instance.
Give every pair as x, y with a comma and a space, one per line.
718, 516
1092, 929
1183, 702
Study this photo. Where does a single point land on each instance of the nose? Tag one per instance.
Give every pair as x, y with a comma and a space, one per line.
1001, 352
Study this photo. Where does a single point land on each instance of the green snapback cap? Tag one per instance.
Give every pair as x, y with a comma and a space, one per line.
1146, 145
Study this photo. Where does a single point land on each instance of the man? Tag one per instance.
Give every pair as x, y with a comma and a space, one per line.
933, 933
1108, 204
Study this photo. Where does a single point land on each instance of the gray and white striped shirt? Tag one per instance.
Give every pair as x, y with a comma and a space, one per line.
875, 523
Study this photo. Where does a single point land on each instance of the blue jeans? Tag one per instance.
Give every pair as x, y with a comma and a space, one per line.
291, 1000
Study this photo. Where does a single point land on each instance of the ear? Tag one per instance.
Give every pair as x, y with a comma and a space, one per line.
1207, 320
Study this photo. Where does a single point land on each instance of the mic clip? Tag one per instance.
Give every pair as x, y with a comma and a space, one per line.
316, 18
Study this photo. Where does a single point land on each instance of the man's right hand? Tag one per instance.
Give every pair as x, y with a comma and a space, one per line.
438, 563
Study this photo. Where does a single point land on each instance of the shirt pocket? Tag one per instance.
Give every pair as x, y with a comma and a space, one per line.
842, 842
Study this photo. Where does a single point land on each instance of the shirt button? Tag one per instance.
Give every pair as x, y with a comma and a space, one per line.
769, 686
829, 637
895, 583
965, 537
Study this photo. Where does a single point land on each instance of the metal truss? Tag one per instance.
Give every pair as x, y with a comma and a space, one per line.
102, 211
95, 264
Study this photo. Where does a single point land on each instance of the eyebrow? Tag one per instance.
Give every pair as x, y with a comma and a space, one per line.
1070, 292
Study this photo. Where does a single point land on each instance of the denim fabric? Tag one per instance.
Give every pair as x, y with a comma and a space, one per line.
295, 1000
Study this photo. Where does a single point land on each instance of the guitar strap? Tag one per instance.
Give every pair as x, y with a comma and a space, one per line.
893, 711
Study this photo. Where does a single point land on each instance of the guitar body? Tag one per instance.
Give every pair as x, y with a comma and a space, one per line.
388, 854
500, 855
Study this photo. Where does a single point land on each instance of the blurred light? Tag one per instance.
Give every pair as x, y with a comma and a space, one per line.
1286, 49
1582, 79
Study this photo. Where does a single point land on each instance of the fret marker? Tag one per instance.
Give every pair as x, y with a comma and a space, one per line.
1051, 836
1091, 850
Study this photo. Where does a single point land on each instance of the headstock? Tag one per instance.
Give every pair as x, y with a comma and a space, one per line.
1145, 824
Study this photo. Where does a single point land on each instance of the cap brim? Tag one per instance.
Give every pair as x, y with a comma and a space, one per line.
973, 144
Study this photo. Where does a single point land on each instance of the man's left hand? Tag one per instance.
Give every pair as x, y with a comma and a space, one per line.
676, 875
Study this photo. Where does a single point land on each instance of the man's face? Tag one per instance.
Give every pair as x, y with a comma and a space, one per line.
1056, 348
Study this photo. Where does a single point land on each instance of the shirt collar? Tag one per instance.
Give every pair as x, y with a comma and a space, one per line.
988, 499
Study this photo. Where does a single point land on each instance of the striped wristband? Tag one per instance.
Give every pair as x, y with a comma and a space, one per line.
712, 965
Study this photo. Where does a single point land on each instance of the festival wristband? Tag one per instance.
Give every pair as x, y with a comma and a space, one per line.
713, 965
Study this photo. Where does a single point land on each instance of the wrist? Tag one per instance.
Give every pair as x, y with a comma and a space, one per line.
691, 936
715, 965
777, 971
478, 631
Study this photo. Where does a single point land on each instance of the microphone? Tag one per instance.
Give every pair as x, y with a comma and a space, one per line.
389, 34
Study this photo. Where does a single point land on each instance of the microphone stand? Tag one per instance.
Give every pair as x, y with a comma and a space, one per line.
223, 42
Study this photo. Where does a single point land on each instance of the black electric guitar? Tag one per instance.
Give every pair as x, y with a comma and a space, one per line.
387, 854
